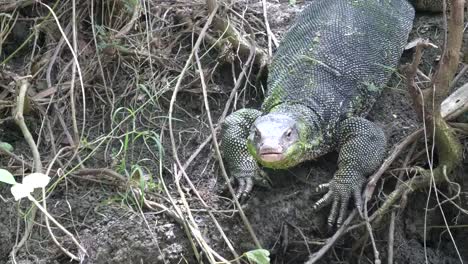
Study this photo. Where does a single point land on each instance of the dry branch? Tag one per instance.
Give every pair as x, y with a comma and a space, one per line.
456, 104
331, 241
11, 5
236, 39
22, 87
171, 107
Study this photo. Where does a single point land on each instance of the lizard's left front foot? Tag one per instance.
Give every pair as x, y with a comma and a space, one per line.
362, 148
339, 194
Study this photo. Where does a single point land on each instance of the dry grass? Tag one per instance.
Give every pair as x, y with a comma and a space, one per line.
110, 101
102, 74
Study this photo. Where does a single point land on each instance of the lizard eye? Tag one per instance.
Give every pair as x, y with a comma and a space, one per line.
257, 133
289, 133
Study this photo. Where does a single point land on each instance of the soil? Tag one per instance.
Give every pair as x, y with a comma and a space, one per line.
112, 227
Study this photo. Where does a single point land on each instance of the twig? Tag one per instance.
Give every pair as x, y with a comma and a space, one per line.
136, 14
76, 134
408, 186
122, 182
57, 223
331, 241
411, 72
136, 196
26, 41
152, 204
271, 36
64, 250
12, 5
371, 235
391, 229
105, 171
306, 242
193, 224
369, 191
218, 153
462, 72
44, 204
177, 86
23, 86
75, 61
16, 157
171, 109
391, 238
208, 139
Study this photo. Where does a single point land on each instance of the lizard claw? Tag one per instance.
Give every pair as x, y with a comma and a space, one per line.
240, 188
358, 201
324, 201
339, 195
245, 186
323, 187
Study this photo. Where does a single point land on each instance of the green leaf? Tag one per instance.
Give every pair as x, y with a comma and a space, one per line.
6, 146
258, 256
6, 177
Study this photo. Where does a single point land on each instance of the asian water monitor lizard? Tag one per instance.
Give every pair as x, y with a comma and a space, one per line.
328, 71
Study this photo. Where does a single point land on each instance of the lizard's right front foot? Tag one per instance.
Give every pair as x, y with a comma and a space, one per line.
240, 163
246, 179
340, 192
244, 187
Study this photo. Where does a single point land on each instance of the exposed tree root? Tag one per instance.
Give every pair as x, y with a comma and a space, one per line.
428, 105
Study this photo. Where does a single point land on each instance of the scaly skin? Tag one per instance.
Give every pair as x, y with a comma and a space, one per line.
327, 73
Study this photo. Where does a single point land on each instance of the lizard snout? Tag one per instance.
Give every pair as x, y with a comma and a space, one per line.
271, 152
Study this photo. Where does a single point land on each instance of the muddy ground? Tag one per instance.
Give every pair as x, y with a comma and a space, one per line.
112, 227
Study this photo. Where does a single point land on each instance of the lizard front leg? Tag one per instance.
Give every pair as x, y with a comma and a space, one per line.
362, 147
241, 165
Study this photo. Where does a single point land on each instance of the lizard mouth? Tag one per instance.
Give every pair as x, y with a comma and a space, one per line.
272, 156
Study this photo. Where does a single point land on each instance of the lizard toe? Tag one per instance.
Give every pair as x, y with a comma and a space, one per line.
244, 189
241, 188
248, 187
324, 201
323, 187
343, 209
358, 201
333, 212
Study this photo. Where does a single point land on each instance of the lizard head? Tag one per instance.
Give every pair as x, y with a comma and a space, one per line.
277, 140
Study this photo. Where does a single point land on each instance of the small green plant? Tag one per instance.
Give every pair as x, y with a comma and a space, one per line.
6, 146
6, 177
257, 256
